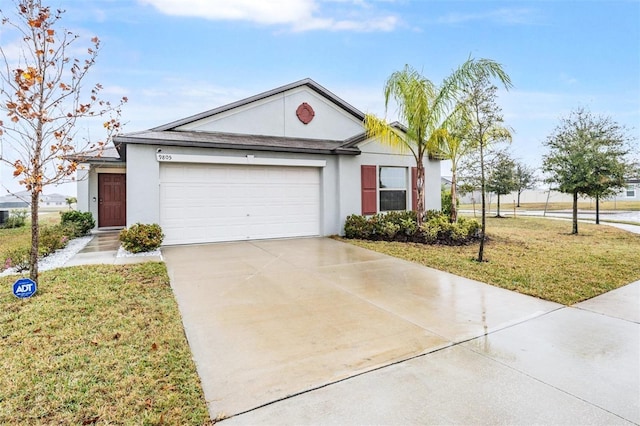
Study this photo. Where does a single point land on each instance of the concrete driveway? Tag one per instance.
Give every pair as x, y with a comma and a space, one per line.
315, 331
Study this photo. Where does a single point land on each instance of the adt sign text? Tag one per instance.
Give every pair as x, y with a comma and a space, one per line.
24, 287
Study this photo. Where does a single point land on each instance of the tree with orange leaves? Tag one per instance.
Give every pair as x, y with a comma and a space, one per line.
42, 98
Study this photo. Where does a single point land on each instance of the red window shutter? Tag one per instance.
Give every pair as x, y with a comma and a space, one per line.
368, 181
414, 188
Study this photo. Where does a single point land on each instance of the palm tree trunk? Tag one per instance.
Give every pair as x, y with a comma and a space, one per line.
453, 217
420, 190
575, 213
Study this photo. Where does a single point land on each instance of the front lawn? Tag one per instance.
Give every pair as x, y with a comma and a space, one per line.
97, 345
507, 205
14, 238
538, 257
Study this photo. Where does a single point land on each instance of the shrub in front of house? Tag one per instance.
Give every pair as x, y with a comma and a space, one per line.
78, 224
357, 226
53, 238
403, 226
141, 237
16, 219
438, 230
16, 258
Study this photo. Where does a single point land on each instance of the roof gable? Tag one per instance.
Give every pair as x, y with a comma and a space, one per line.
274, 113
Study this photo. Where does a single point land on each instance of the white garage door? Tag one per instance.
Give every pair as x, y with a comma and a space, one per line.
208, 203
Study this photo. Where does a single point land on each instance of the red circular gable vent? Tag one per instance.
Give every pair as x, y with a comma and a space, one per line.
305, 113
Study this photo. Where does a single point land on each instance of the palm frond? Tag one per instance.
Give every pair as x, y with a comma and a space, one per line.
379, 129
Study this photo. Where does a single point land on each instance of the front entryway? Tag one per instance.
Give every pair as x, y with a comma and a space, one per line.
112, 200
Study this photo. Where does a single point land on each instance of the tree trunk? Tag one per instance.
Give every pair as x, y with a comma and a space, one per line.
519, 192
575, 213
498, 207
484, 207
420, 190
597, 209
35, 235
453, 218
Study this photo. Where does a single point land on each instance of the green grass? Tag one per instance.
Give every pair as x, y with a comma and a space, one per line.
537, 257
97, 344
507, 205
16, 237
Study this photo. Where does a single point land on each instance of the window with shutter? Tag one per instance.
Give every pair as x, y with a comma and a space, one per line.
393, 188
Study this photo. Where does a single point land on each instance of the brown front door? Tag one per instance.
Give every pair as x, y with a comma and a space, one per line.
112, 200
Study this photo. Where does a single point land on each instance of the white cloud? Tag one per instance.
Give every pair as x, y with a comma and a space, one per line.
387, 23
298, 15
505, 16
263, 12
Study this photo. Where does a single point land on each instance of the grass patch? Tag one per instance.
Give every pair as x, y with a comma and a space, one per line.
97, 344
13, 238
537, 257
507, 205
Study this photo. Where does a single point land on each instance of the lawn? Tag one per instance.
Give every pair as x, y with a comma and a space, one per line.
15, 237
507, 205
97, 345
538, 257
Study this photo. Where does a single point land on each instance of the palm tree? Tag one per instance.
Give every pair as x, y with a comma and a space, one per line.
422, 108
450, 142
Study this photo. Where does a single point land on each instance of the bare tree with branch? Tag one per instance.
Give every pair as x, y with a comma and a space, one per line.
42, 95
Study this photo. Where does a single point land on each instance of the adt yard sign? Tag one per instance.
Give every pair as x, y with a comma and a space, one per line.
24, 288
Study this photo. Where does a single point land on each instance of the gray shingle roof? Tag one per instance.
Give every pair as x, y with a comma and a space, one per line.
235, 141
166, 135
109, 155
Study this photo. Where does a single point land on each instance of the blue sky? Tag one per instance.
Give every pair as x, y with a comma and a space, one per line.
175, 58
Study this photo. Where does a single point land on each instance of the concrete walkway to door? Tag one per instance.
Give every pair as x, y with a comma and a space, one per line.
315, 331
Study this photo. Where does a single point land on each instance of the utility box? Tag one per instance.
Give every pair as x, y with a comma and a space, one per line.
4, 215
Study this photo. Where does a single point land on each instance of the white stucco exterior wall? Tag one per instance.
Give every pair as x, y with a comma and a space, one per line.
432, 185
143, 181
143, 185
340, 180
82, 178
276, 116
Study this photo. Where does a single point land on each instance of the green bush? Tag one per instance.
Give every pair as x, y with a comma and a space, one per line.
17, 258
471, 227
77, 223
357, 226
438, 229
16, 219
445, 199
407, 221
53, 238
408, 226
390, 230
141, 237
403, 226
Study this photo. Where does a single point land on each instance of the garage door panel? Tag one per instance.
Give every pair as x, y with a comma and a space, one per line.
208, 203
